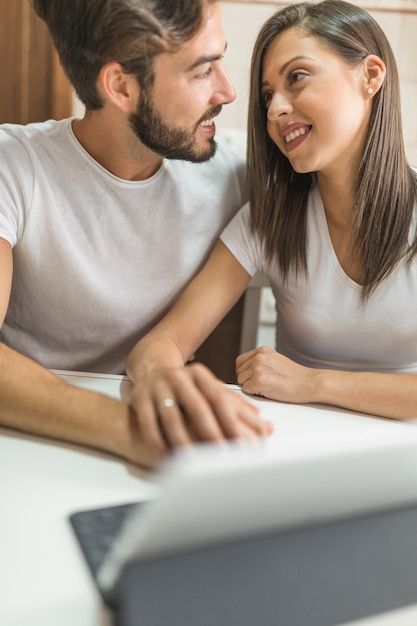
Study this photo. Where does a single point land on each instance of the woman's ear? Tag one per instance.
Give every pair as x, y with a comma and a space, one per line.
117, 87
374, 72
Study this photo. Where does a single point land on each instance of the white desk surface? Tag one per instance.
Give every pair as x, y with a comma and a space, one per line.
44, 580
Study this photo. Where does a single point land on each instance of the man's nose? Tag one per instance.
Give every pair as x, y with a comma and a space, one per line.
225, 92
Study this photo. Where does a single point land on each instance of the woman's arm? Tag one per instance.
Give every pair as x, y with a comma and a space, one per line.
180, 403
268, 373
196, 313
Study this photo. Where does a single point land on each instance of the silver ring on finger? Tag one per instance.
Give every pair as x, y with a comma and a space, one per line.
167, 403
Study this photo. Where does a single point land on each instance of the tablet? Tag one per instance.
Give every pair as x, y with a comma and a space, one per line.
213, 494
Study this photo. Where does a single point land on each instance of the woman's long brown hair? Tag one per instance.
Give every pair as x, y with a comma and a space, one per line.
386, 187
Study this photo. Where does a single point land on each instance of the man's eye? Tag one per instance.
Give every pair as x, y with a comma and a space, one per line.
205, 74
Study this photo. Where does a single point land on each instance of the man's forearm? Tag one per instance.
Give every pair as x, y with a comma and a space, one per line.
34, 400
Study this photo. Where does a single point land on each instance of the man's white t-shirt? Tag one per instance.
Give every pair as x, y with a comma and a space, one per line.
98, 260
321, 321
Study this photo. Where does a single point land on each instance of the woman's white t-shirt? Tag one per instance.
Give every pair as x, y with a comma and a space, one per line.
321, 321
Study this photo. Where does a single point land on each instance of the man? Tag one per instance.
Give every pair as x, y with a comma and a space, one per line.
104, 220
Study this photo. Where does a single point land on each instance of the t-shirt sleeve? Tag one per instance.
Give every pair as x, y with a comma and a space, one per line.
8, 223
8, 215
241, 242
15, 179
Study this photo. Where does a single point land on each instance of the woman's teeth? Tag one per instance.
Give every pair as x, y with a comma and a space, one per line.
296, 133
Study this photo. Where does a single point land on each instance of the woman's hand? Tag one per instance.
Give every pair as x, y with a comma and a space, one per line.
265, 372
268, 373
181, 405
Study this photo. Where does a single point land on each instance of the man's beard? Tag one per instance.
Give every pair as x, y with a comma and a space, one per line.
168, 141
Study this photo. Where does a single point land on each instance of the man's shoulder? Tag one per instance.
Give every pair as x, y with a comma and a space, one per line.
31, 132
223, 178
226, 156
226, 163
228, 168
31, 148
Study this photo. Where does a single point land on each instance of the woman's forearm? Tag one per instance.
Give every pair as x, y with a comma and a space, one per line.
388, 395
268, 373
153, 354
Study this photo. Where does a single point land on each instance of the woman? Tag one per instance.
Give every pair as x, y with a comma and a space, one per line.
331, 221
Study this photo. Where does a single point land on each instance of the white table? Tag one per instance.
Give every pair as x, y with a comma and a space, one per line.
43, 578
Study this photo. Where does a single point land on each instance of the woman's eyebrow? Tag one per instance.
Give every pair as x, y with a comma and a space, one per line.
296, 58
299, 57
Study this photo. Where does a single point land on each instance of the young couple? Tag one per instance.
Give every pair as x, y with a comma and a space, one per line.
330, 221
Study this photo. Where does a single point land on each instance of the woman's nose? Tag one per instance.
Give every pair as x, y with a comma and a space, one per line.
278, 105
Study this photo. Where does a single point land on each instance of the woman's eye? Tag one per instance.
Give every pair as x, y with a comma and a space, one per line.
267, 97
296, 76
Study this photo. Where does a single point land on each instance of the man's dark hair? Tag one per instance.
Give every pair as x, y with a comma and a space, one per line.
90, 33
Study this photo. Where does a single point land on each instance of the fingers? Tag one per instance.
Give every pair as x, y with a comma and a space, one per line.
266, 372
159, 416
244, 358
248, 363
233, 414
190, 404
147, 423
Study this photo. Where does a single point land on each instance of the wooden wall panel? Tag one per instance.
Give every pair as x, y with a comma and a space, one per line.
34, 87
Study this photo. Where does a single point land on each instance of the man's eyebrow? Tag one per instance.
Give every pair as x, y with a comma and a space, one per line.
205, 59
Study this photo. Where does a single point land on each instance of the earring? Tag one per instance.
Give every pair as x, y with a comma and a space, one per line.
370, 90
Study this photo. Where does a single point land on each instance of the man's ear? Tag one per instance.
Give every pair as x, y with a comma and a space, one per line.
121, 89
374, 71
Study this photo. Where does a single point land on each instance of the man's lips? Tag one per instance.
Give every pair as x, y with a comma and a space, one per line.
208, 119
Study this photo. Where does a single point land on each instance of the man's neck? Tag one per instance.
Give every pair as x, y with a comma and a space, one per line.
109, 140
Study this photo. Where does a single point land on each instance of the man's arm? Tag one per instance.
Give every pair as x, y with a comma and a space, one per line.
33, 400
6, 273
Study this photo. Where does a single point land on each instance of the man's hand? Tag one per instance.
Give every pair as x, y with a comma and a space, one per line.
182, 405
